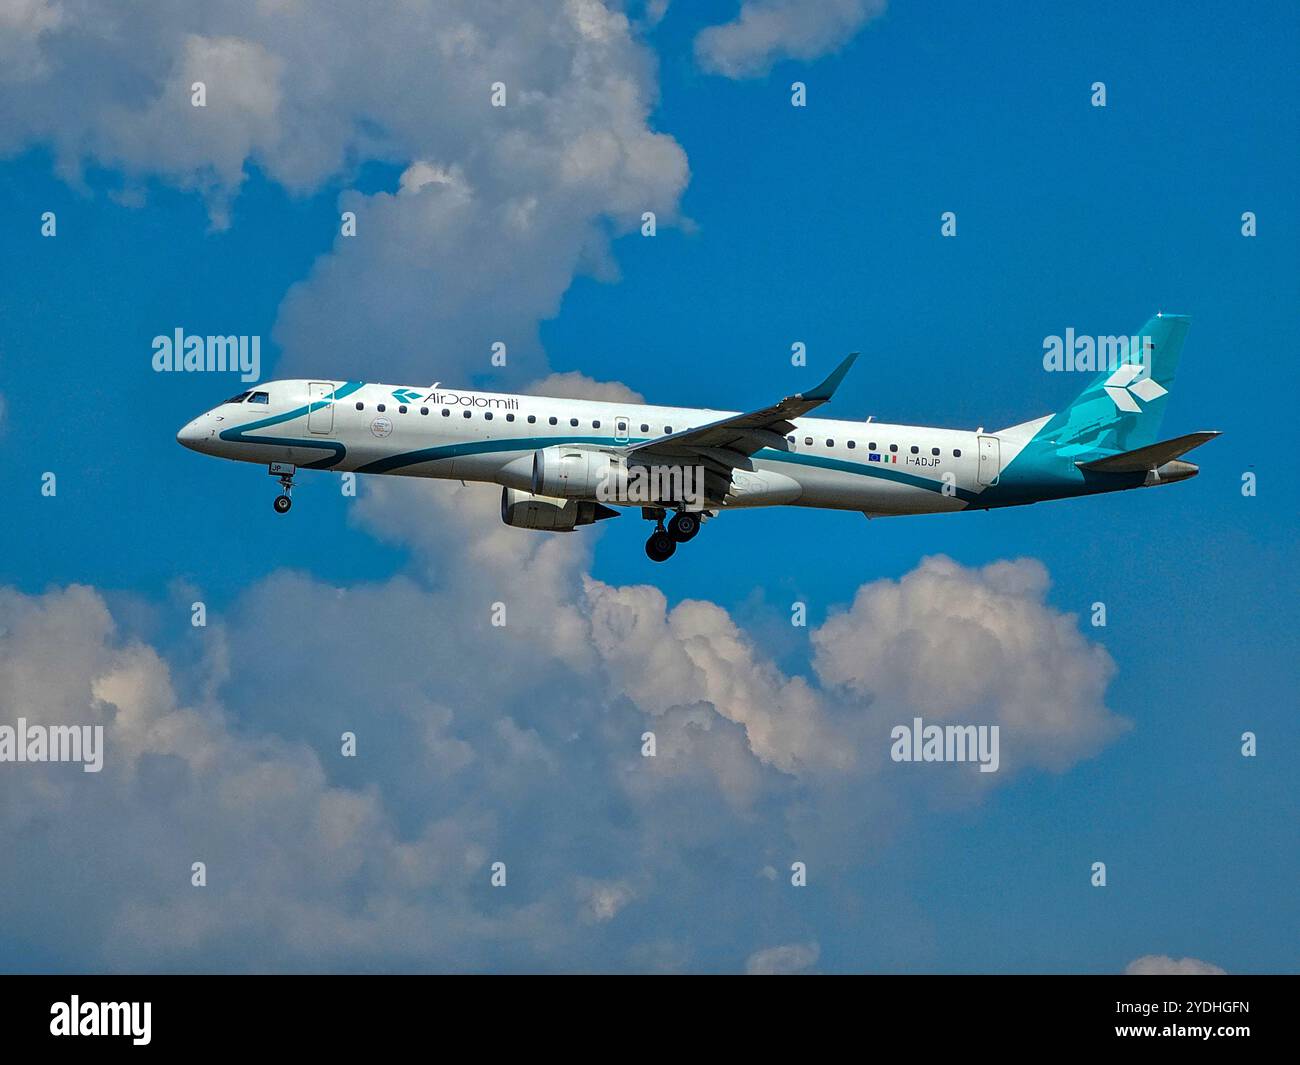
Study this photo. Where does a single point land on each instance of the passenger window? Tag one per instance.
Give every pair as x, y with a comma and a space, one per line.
573, 422
934, 451
667, 429
790, 438
808, 440
645, 428
424, 410
532, 418
446, 412
510, 417
595, 424
488, 416
852, 445
380, 408
361, 406
259, 397
915, 450
553, 420
830, 443
871, 446
893, 447
468, 413
956, 452
401, 409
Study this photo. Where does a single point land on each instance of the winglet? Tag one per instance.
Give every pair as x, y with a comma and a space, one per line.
827, 388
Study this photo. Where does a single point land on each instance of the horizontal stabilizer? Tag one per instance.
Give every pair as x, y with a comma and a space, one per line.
1150, 457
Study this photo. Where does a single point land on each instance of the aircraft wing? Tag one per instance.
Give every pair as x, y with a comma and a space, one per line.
729, 442
1149, 457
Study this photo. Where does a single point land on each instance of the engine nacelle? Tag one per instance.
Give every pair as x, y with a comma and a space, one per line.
524, 510
572, 472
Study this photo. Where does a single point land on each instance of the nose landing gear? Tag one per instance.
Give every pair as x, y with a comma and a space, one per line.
285, 471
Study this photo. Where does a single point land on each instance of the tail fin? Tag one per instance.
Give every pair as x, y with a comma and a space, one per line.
1122, 407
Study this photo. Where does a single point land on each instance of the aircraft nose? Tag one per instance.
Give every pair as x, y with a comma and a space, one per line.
192, 434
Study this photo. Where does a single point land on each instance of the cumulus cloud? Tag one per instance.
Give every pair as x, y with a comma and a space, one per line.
1164, 965
981, 646
575, 385
783, 961
22, 24
475, 744
766, 31
495, 210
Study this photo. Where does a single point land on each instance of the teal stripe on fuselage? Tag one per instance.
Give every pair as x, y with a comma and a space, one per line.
238, 434
448, 451
473, 447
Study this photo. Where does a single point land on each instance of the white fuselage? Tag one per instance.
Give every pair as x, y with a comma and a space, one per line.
468, 435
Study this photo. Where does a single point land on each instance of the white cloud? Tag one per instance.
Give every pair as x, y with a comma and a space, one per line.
975, 646
496, 208
766, 31
602, 899
475, 744
1163, 965
655, 10
302, 873
22, 25
575, 385
695, 652
783, 961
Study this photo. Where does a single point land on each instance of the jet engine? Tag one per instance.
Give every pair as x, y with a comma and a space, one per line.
524, 510
573, 472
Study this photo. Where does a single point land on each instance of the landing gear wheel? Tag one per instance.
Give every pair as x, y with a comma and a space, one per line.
683, 526
660, 546
285, 471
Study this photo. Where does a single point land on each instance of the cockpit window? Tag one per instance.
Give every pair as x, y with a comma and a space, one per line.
239, 398
259, 397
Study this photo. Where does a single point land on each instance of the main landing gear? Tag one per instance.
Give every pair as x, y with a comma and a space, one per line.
683, 527
285, 471
660, 546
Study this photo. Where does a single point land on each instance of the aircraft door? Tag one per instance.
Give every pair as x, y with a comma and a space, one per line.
990, 460
320, 415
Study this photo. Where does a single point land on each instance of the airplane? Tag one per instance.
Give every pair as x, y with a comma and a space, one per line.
565, 463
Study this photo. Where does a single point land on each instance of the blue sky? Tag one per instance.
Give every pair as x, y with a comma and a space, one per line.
817, 224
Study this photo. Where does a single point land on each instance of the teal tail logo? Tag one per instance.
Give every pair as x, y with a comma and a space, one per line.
1128, 381
1122, 406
